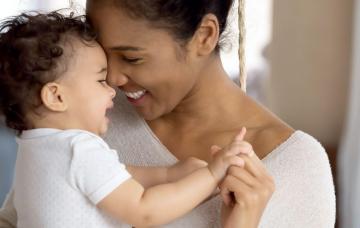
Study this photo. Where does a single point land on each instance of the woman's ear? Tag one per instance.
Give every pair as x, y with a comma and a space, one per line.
206, 36
53, 97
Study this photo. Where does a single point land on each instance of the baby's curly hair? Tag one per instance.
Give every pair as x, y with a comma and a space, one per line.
31, 47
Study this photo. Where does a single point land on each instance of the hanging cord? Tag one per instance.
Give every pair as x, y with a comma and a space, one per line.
242, 40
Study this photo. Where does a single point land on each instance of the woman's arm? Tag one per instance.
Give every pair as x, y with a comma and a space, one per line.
8, 217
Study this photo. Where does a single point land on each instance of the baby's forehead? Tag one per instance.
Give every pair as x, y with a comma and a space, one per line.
74, 47
82, 58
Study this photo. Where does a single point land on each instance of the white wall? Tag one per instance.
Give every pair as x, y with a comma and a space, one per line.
310, 59
349, 153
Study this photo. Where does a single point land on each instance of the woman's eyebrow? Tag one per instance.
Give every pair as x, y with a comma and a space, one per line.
126, 48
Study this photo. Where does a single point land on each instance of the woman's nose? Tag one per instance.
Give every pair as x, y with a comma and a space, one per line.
116, 78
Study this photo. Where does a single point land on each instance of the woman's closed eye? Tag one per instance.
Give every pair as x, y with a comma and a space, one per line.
132, 60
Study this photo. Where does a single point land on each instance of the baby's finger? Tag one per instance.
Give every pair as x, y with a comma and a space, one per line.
240, 148
241, 135
214, 149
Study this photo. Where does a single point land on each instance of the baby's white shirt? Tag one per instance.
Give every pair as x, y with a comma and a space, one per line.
61, 175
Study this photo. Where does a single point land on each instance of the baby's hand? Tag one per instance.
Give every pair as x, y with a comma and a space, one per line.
183, 168
226, 157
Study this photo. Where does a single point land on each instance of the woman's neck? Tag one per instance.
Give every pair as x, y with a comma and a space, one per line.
214, 97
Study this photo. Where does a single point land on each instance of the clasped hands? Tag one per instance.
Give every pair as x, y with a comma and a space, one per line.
245, 184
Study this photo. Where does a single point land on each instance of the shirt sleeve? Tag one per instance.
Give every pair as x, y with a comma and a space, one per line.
315, 194
8, 216
95, 169
304, 194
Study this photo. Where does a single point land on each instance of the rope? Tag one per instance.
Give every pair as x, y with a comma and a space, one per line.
242, 40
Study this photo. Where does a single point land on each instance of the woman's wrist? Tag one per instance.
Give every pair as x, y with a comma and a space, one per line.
236, 216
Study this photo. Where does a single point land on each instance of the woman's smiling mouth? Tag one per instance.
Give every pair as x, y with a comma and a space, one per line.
135, 95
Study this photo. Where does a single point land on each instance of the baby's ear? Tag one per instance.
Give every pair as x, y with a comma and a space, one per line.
53, 97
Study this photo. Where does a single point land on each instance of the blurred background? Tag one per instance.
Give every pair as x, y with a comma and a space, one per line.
303, 63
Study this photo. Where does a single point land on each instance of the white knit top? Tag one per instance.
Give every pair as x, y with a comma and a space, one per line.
304, 195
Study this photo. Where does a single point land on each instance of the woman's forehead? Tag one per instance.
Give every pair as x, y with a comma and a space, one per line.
116, 28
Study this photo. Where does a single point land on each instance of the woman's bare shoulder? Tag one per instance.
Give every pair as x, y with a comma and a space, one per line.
267, 131
268, 137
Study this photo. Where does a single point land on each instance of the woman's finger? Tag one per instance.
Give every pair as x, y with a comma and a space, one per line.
254, 165
243, 175
248, 167
226, 196
263, 183
235, 161
232, 185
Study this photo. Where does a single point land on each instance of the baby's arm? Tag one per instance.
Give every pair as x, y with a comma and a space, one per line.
160, 204
150, 176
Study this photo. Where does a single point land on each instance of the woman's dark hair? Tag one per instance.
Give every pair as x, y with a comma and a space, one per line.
180, 17
31, 47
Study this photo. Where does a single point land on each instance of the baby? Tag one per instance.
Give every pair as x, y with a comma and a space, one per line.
53, 91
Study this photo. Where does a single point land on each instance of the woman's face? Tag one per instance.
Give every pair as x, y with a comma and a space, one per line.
146, 63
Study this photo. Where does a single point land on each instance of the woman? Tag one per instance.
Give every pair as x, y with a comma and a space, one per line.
179, 101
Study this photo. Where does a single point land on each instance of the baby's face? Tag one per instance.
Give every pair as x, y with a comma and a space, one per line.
87, 92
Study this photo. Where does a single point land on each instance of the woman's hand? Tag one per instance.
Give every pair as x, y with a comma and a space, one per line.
246, 192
